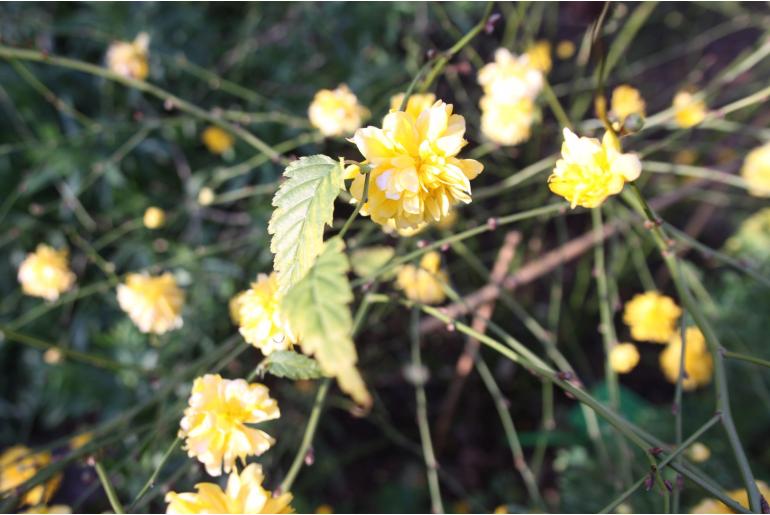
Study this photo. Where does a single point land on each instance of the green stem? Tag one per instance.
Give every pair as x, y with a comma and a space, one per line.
108, 488
151, 481
359, 205
431, 465
744, 357
307, 439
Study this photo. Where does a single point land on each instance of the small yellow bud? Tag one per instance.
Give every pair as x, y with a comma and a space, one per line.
698, 452
206, 196
154, 217
624, 357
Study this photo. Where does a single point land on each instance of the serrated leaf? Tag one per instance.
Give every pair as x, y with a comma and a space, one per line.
318, 312
304, 204
369, 260
292, 365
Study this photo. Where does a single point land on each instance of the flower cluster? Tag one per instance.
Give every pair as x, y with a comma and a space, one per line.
424, 284
336, 112
215, 424
511, 83
130, 59
18, 464
415, 174
154, 304
244, 494
257, 312
589, 171
46, 273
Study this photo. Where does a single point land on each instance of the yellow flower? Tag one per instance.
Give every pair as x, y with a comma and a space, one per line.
565, 49
45, 273
501, 509
624, 357
416, 104
540, 56
154, 217
206, 196
590, 171
740, 496
336, 112
56, 508
78, 441
506, 123
698, 452
627, 101
688, 111
652, 317
510, 77
129, 59
154, 304
217, 140
235, 307
260, 319
244, 494
324, 508
698, 363
215, 427
416, 177
424, 283
53, 356
19, 464
756, 171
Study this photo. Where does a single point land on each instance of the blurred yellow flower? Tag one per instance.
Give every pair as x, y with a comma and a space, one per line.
506, 123
336, 112
590, 171
235, 307
698, 363
19, 464
624, 357
416, 104
78, 441
46, 273
652, 317
129, 59
154, 304
510, 77
217, 140
56, 508
53, 356
206, 196
740, 496
154, 217
626, 101
698, 452
424, 283
244, 494
688, 111
756, 171
260, 319
501, 509
540, 56
215, 427
565, 49
324, 508
416, 177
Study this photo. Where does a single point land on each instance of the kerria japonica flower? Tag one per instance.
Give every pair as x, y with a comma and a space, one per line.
153, 303
217, 140
19, 464
688, 110
259, 316
651, 317
424, 284
590, 170
710, 505
415, 174
624, 357
244, 493
756, 171
627, 100
130, 59
698, 362
417, 103
336, 112
46, 273
215, 424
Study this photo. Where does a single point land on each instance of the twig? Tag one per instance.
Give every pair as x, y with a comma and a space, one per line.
151, 481
108, 488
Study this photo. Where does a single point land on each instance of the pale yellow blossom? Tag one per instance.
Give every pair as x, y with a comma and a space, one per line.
154, 217
336, 112
416, 176
688, 111
510, 77
217, 140
624, 357
740, 496
46, 273
565, 49
260, 319
652, 317
130, 59
506, 123
626, 101
589, 171
416, 104
756, 171
154, 303
18, 464
244, 494
424, 283
215, 425
53, 509
698, 363
540, 56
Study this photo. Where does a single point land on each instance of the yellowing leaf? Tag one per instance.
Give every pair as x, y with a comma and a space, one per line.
304, 204
369, 260
318, 312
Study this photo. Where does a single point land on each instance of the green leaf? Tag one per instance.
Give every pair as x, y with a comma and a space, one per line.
304, 204
292, 365
369, 260
318, 311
